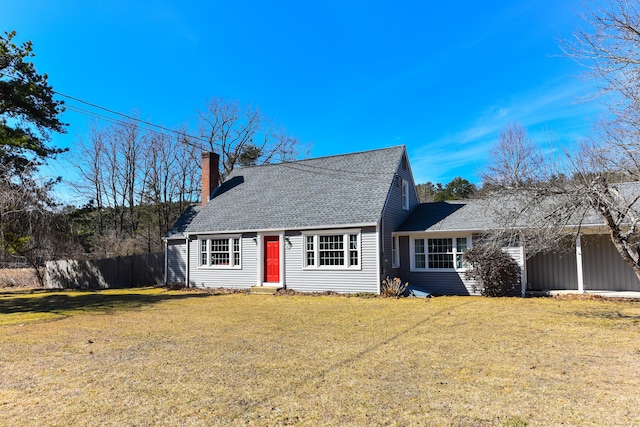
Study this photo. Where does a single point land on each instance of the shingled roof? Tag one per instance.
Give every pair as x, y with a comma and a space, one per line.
180, 226
486, 214
468, 215
344, 190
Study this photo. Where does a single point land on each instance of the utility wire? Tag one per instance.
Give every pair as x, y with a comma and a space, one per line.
128, 117
86, 112
116, 121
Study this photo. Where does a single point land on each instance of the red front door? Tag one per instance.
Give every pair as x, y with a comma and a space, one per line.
272, 259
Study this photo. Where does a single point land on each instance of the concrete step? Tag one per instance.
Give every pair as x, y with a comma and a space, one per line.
263, 290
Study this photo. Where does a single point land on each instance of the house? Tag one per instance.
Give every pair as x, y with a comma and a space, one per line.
434, 236
342, 223
314, 225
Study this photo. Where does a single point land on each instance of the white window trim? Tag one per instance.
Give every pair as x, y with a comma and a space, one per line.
346, 249
412, 254
395, 252
405, 194
230, 238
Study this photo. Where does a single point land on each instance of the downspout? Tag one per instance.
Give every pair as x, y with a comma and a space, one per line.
378, 252
383, 257
579, 265
380, 230
186, 272
523, 277
166, 262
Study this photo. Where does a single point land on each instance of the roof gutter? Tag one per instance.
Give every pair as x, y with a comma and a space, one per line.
269, 230
594, 228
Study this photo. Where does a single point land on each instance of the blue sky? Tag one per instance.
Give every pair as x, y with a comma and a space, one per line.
442, 79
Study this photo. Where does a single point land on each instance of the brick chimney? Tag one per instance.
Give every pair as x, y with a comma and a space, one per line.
210, 174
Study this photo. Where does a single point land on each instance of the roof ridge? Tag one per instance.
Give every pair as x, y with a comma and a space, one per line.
286, 162
335, 190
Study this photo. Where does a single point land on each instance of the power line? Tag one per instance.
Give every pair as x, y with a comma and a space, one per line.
121, 122
116, 121
127, 117
109, 119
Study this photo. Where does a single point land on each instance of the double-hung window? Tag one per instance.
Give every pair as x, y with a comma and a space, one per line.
395, 255
420, 254
339, 250
440, 253
405, 194
220, 252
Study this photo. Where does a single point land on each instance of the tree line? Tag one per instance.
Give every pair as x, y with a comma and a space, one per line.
137, 180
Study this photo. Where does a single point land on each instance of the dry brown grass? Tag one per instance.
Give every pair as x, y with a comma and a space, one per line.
153, 357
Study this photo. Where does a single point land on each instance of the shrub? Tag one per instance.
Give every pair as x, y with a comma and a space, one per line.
176, 286
19, 278
495, 272
393, 288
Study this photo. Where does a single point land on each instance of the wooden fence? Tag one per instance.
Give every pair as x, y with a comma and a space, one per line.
120, 272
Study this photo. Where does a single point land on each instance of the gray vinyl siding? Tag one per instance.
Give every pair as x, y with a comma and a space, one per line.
176, 261
517, 253
603, 268
443, 282
241, 278
434, 282
440, 282
340, 280
394, 215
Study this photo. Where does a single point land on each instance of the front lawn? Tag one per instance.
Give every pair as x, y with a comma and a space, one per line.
156, 357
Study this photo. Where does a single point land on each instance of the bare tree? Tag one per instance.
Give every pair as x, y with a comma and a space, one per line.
137, 182
528, 195
427, 191
172, 176
31, 228
608, 46
553, 199
516, 160
243, 136
599, 179
89, 162
118, 164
